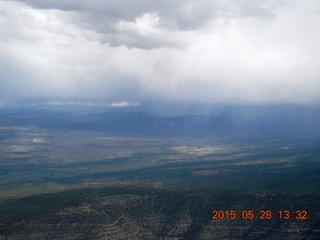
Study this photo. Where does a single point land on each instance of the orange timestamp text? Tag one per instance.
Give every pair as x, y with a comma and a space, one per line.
261, 214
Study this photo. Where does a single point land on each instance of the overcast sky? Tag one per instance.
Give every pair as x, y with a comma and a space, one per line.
191, 51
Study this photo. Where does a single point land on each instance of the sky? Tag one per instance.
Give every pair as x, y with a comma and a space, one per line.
132, 51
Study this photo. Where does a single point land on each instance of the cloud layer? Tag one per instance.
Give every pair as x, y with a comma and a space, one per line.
248, 51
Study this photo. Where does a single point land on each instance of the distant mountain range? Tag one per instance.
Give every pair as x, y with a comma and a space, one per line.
276, 121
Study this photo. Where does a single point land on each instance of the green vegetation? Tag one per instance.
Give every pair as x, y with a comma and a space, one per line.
76, 184
144, 213
39, 161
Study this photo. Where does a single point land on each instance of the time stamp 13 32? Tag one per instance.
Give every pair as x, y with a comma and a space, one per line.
265, 214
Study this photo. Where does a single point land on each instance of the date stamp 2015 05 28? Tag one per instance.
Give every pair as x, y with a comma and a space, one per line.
264, 214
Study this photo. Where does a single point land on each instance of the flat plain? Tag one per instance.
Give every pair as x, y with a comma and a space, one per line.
87, 183
40, 160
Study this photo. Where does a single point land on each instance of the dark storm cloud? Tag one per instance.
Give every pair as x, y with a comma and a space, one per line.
109, 17
101, 15
207, 51
180, 12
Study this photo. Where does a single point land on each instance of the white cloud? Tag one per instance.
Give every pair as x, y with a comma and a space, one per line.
235, 52
91, 104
